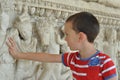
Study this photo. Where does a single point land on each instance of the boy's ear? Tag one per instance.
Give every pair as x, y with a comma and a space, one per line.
82, 36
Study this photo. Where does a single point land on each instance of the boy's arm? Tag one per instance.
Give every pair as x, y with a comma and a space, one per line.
109, 71
43, 57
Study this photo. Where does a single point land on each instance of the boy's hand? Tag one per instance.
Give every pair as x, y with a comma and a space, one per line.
12, 48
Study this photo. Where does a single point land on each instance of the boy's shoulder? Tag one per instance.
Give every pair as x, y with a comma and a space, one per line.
103, 55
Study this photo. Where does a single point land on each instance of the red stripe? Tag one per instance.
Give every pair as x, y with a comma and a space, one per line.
106, 74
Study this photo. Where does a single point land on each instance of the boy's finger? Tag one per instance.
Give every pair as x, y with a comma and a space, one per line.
12, 42
8, 44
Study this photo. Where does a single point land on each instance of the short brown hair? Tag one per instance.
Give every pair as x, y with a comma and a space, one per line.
85, 22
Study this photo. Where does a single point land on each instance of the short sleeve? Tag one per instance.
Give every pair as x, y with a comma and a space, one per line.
66, 58
108, 69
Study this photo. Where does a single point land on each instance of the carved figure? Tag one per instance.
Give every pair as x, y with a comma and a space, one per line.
25, 69
50, 37
6, 61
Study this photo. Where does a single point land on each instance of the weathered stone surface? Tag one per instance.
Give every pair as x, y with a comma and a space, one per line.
43, 22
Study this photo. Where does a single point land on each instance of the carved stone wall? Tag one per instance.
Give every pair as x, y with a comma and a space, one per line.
47, 18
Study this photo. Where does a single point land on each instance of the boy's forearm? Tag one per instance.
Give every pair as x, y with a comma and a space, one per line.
42, 57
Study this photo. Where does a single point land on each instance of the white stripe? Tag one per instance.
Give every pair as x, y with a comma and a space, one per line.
107, 60
68, 58
108, 69
77, 58
102, 57
79, 74
77, 65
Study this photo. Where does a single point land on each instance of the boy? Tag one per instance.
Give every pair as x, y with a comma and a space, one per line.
81, 29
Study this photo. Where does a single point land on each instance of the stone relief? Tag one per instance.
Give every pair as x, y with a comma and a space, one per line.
50, 42
111, 44
59, 30
99, 40
32, 10
6, 60
22, 33
48, 17
110, 39
18, 8
118, 51
110, 3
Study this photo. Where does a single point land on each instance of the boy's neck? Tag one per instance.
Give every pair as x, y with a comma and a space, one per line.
87, 51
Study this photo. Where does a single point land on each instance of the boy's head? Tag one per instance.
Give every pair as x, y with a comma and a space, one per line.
85, 22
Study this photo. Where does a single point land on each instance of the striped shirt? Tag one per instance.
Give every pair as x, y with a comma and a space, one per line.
98, 67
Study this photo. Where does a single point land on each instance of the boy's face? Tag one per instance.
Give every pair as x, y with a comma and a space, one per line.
72, 37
